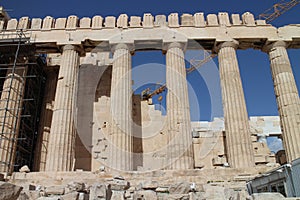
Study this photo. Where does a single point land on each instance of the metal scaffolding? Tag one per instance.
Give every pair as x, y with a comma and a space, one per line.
21, 80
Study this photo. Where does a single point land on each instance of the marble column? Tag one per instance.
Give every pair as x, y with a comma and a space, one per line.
180, 148
287, 98
45, 122
238, 137
120, 134
60, 155
11, 109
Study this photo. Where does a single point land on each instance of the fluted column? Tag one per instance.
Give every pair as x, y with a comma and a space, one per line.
121, 110
180, 151
10, 105
287, 98
238, 137
45, 122
60, 155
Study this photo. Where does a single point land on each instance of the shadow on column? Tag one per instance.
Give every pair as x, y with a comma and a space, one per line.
137, 132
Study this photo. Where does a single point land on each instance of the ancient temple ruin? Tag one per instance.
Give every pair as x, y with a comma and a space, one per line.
67, 101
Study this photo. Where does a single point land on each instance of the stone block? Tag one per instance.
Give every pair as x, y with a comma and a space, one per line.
75, 186
24, 23
48, 23
160, 20
24, 169
152, 185
180, 188
60, 23
12, 24
187, 20
236, 20
148, 20
218, 161
135, 22
248, 19
118, 195
70, 196
97, 22
50, 198
72, 22
9, 191
29, 195
199, 20
145, 195
260, 158
212, 20
261, 22
178, 197
122, 21
162, 189
36, 24
110, 22
100, 191
55, 190
83, 196
117, 184
85, 22
173, 20
224, 19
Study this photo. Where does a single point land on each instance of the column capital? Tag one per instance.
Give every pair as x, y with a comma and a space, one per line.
116, 46
76, 48
234, 44
269, 46
170, 45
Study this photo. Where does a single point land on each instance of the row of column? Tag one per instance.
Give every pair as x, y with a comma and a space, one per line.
58, 143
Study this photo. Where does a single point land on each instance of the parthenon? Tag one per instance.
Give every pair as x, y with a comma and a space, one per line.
86, 116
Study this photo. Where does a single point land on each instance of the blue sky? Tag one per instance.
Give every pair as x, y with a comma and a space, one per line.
254, 65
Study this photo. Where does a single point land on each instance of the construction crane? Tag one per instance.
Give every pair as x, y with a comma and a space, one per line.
269, 15
147, 94
278, 9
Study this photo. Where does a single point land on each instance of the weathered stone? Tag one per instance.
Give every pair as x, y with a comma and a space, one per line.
118, 195
55, 190
160, 20
199, 20
150, 185
36, 24
187, 20
70, 196
179, 197
180, 188
48, 23
9, 191
24, 169
162, 189
148, 20
145, 195
97, 22
85, 22
100, 191
75, 186
60, 23
267, 196
29, 195
12, 24
23, 23
84, 196
117, 184
50, 198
